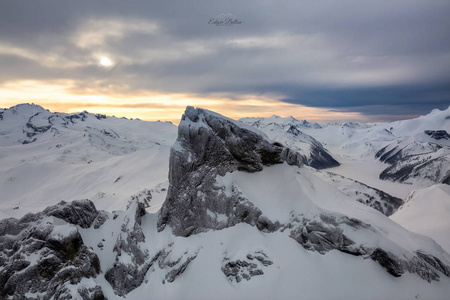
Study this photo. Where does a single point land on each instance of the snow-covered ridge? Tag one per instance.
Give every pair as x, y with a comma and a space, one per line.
287, 131
48, 157
283, 122
417, 151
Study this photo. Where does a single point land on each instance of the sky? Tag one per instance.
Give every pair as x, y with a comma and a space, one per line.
340, 60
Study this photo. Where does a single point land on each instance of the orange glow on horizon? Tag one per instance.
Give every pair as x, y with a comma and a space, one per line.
63, 96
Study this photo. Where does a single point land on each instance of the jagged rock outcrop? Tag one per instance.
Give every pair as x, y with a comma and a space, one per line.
326, 232
133, 259
82, 212
174, 267
43, 256
210, 145
125, 276
245, 268
438, 134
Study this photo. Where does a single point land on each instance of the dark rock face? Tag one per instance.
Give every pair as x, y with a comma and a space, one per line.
326, 233
386, 204
435, 262
388, 156
416, 161
290, 133
61, 258
80, 212
245, 268
214, 140
319, 157
94, 293
386, 261
123, 276
446, 178
33, 130
438, 134
177, 267
390, 203
208, 146
416, 167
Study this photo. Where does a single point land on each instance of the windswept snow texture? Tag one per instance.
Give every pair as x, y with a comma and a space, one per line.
287, 131
48, 157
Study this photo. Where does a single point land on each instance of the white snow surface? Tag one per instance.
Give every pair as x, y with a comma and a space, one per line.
426, 211
106, 160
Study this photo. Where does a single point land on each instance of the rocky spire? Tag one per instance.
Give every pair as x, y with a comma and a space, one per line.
210, 145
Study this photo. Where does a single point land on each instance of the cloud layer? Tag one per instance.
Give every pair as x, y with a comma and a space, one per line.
347, 56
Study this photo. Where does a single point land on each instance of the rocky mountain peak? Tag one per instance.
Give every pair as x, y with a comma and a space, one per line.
209, 145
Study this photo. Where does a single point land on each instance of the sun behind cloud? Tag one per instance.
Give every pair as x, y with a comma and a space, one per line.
106, 62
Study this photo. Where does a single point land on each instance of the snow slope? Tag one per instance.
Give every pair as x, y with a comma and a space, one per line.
48, 157
427, 211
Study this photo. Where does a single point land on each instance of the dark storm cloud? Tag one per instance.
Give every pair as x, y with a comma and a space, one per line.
406, 100
349, 55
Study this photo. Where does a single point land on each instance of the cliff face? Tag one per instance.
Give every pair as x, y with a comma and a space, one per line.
210, 145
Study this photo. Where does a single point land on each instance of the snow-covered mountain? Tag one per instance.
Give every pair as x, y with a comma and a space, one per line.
415, 151
48, 157
244, 218
287, 131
